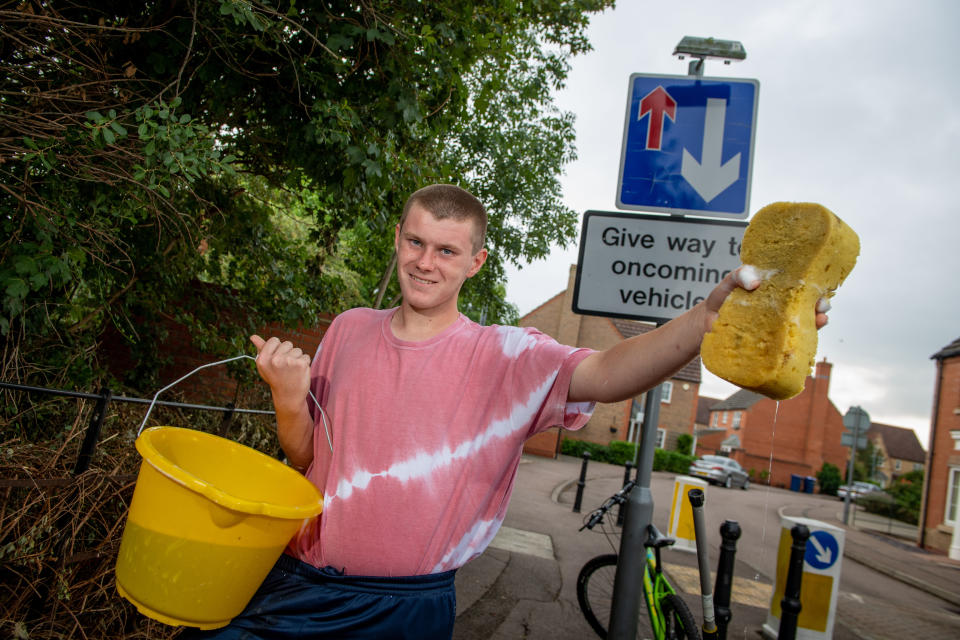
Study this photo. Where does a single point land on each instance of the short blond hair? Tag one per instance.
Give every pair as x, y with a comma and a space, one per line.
445, 201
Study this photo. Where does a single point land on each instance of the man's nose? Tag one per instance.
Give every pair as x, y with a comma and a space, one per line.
427, 260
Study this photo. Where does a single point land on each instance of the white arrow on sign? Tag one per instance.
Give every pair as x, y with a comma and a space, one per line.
823, 555
708, 177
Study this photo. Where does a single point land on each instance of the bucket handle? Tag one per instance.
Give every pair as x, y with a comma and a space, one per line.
323, 414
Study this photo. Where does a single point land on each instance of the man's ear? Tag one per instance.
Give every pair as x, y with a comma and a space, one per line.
478, 259
396, 238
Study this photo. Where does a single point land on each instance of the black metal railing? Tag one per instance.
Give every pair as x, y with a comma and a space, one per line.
92, 435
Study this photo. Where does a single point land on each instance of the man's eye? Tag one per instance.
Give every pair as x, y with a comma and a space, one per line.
446, 252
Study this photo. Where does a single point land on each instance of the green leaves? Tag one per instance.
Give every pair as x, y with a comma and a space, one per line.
243, 14
105, 128
32, 267
175, 145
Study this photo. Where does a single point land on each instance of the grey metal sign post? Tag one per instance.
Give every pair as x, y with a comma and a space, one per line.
628, 582
855, 420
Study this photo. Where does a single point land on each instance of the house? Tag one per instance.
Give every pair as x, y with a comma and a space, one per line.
791, 437
701, 424
620, 420
898, 452
941, 484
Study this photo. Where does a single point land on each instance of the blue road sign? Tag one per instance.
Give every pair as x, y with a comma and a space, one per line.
688, 145
822, 550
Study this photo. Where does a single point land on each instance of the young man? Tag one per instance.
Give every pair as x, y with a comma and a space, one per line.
428, 413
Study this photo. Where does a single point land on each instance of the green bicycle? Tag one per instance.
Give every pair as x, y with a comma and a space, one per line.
668, 616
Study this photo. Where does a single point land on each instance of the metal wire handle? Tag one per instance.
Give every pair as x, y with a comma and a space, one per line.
323, 414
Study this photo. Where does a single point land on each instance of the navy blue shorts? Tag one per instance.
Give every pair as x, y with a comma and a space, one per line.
297, 600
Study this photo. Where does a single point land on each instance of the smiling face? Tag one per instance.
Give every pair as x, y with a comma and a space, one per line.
434, 259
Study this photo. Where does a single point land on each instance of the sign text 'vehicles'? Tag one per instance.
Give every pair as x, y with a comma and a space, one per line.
684, 272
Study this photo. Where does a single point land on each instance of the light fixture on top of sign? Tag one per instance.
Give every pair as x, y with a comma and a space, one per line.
702, 48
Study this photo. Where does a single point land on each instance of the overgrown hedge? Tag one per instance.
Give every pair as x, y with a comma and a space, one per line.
900, 501
620, 452
882, 503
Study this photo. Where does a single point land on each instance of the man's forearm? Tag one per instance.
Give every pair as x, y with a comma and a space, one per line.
295, 433
641, 362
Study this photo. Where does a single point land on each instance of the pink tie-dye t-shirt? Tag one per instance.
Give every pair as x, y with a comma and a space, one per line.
427, 437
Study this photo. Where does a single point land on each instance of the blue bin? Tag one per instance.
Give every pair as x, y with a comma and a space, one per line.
808, 484
796, 482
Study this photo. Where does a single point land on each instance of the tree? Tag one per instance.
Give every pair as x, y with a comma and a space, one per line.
685, 443
867, 463
223, 163
907, 490
829, 479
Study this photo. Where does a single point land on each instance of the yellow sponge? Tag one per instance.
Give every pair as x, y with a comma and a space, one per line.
766, 340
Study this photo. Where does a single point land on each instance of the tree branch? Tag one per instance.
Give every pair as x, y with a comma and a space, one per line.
385, 281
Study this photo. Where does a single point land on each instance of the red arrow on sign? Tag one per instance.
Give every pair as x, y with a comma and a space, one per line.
659, 104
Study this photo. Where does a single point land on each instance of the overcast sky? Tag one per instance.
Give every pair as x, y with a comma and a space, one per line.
858, 111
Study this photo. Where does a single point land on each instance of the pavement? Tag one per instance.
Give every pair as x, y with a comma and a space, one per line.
523, 585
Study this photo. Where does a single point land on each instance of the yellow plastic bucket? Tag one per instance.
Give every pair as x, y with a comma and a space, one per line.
208, 520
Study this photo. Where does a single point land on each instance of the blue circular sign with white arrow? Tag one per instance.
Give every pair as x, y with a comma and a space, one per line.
822, 550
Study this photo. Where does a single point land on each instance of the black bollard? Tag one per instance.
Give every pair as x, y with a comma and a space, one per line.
790, 605
582, 482
729, 534
626, 478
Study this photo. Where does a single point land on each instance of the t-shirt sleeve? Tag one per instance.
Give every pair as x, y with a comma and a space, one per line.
557, 411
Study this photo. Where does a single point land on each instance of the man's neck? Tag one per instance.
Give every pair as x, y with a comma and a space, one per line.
410, 325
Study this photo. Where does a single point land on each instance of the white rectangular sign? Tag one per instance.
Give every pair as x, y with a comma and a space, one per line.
651, 267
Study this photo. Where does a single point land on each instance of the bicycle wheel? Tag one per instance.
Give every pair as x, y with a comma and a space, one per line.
595, 596
679, 621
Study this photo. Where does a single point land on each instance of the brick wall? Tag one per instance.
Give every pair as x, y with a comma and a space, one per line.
941, 455
780, 469
678, 415
212, 386
546, 443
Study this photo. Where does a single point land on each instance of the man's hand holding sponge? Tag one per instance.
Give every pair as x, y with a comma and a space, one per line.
765, 340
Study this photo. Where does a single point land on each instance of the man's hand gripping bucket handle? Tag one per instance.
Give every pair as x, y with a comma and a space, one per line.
323, 414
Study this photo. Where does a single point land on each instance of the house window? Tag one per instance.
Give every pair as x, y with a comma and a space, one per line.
714, 419
896, 465
725, 415
661, 438
918, 466
666, 391
736, 419
956, 440
953, 496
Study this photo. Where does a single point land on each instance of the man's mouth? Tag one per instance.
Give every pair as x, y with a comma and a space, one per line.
420, 280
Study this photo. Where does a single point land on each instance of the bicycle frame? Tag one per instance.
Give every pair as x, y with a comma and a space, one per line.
655, 587
666, 611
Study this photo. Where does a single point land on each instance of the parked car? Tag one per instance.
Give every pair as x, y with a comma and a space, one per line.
857, 489
720, 470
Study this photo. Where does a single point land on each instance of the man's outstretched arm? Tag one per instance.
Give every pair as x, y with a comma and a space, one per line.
639, 363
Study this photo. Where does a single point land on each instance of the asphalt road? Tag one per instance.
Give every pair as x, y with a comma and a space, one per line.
758, 511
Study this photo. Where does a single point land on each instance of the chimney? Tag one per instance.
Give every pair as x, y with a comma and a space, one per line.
822, 372
818, 413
